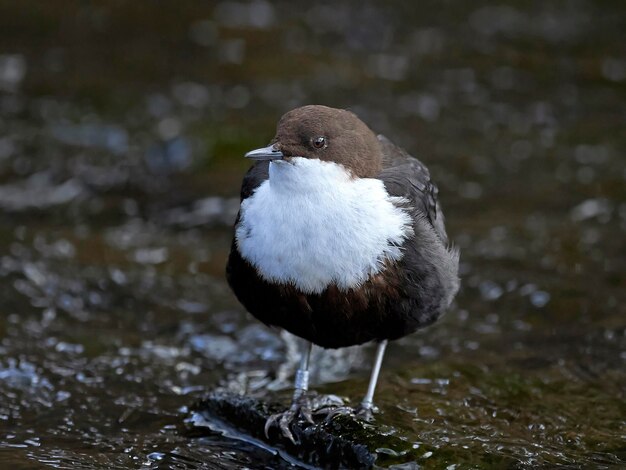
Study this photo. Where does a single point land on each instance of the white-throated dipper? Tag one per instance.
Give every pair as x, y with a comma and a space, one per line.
339, 240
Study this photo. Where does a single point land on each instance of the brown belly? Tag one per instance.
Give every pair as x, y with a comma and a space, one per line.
379, 309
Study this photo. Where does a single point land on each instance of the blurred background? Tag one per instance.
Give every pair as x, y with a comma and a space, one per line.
122, 130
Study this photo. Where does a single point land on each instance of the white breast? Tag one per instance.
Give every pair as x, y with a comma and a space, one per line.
311, 224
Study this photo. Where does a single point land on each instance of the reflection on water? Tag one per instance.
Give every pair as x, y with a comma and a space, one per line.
121, 134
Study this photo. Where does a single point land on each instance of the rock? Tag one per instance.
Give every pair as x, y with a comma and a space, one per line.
345, 442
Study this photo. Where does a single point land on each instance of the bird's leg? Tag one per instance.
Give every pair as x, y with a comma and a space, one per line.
301, 385
300, 403
366, 408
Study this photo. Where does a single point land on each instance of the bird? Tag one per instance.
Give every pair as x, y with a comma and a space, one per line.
340, 240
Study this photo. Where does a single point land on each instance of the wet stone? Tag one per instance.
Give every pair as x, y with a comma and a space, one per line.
343, 442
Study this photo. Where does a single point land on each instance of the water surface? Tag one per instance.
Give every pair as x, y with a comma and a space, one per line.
122, 128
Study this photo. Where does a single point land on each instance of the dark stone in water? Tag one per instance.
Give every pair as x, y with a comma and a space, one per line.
345, 442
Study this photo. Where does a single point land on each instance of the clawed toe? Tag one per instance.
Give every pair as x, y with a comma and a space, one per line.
272, 420
284, 423
331, 412
300, 408
306, 408
307, 414
361, 412
283, 420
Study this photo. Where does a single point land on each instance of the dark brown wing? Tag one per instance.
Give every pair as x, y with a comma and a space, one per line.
258, 173
405, 176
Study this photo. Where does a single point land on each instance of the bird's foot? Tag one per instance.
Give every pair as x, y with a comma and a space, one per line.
366, 413
331, 412
300, 408
304, 407
329, 406
321, 403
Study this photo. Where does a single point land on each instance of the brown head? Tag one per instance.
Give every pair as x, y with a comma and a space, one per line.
327, 134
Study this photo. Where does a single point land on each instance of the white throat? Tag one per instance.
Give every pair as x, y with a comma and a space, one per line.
311, 224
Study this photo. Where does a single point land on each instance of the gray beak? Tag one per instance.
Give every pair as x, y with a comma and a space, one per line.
265, 153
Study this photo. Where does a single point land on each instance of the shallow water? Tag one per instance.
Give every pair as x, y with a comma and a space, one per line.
121, 135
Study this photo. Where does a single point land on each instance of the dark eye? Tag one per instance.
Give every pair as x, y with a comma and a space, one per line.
319, 142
